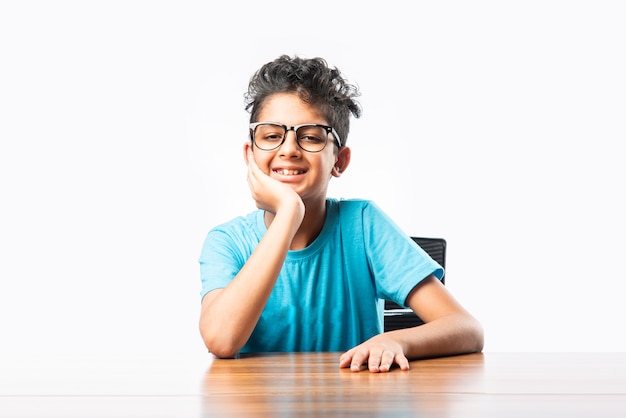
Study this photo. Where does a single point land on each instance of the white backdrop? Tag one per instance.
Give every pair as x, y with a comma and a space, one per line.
496, 125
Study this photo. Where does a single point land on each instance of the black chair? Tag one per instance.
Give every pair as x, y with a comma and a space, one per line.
398, 317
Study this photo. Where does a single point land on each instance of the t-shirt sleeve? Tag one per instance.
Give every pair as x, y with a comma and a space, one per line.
398, 264
220, 261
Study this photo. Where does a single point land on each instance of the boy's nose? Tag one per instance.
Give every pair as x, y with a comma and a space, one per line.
290, 146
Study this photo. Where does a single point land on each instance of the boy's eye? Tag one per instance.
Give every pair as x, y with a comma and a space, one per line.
311, 139
269, 133
273, 136
312, 134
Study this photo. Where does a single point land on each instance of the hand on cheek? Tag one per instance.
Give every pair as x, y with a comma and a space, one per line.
268, 193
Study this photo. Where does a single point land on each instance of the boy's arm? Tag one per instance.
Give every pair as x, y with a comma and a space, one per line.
449, 329
228, 316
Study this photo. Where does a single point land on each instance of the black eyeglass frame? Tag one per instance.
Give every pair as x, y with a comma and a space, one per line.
328, 129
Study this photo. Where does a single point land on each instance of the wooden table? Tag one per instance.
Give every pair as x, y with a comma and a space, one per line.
310, 385
478, 385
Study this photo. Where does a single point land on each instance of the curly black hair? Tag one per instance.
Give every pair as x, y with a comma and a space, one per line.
314, 82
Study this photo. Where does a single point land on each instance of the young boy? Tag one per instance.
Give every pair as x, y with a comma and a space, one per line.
306, 272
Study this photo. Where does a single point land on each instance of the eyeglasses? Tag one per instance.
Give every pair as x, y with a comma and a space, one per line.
311, 137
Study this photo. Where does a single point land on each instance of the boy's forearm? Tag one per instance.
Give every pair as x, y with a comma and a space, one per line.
227, 321
454, 334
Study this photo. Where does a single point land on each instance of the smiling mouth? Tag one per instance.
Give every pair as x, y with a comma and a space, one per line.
286, 172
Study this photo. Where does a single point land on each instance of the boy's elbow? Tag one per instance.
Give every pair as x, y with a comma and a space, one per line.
219, 346
222, 350
477, 336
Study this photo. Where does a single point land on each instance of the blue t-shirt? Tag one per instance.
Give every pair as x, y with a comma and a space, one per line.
330, 295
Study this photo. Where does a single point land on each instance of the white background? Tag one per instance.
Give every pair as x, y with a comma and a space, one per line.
496, 125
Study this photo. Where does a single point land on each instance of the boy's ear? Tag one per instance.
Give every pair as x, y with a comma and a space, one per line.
342, 162
247, 147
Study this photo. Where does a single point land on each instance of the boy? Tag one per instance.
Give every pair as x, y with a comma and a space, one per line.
306, 272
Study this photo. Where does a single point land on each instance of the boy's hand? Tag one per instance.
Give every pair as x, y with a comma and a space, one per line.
268, 193
378, 354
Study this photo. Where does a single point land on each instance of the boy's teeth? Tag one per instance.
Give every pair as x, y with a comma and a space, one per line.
286, 172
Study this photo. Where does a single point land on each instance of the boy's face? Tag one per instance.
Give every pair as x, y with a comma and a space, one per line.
306, 172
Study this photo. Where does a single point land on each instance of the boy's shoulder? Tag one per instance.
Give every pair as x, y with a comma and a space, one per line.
351, 203
245, 222
353, 210
348, 201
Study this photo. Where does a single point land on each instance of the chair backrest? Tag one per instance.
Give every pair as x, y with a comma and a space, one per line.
396, 316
